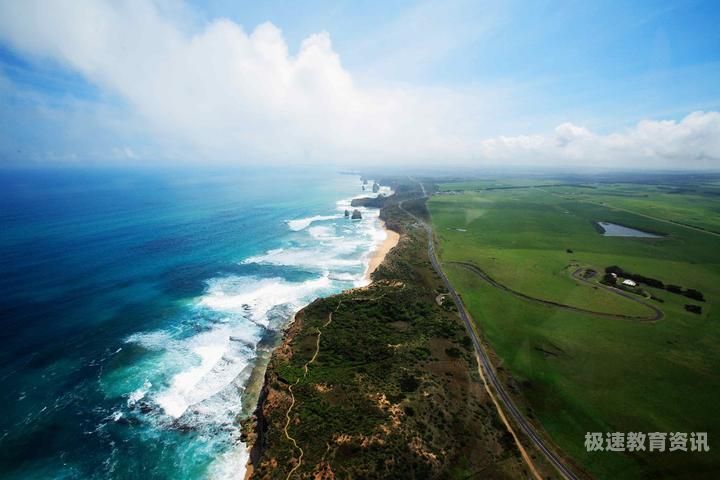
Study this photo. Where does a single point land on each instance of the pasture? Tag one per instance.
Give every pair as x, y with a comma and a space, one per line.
581, 372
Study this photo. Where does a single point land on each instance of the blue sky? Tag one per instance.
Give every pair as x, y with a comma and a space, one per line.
472, 82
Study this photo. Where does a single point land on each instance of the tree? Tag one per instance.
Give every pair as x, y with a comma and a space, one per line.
694, 294
608, 279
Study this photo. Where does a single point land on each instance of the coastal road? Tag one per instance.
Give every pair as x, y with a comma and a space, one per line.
504, 398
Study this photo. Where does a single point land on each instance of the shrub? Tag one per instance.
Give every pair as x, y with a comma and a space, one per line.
694, 309
453, 352
652, 282
694, 294
614, 269
408, 383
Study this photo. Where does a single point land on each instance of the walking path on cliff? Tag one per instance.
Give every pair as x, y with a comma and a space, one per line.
292, 395
305, 372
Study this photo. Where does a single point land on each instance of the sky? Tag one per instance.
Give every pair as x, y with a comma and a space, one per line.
604, 84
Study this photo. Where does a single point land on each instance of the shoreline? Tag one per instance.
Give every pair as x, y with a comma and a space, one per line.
258, 418
378, 254
325, 393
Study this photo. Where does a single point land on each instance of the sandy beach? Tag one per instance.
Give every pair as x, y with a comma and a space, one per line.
379, 254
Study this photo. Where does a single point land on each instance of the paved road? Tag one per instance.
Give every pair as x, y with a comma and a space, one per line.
507, 402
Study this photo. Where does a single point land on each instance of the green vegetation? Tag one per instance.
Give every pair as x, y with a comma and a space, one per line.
578, 372
654, 282
393, 390
692, 205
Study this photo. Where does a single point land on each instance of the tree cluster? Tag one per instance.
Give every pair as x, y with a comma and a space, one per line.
651, 282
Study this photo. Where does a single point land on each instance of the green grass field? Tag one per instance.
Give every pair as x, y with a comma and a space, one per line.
581, 372
695, 207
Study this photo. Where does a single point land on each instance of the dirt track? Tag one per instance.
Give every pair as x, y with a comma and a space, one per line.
656, 315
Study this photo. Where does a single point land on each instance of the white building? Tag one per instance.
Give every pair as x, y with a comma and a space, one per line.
629, 283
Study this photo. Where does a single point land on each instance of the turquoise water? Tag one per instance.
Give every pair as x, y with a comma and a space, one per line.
135, 305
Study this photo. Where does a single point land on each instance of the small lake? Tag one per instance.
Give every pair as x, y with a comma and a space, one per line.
615, 230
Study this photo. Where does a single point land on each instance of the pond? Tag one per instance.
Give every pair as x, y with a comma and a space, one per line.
614, 230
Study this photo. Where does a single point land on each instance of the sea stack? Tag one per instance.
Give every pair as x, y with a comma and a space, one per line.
376, 187
356, 214
347, 213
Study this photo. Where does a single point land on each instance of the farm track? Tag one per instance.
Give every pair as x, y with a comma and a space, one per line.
656, 315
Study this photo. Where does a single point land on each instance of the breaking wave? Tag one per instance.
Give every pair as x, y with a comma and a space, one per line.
303, 223
200, 368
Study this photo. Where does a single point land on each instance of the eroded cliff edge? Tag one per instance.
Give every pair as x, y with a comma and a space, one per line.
380, 382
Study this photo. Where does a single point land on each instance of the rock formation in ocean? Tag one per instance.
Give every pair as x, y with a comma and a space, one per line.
347, 213
356, 215
376, 187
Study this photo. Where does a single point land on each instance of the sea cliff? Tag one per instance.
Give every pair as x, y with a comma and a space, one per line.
379, 382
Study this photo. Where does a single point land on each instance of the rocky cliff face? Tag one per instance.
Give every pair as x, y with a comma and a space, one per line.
377, 202
261, 431
380, 382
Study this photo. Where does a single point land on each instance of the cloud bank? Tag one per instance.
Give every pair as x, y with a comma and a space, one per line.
693, 142
220, 93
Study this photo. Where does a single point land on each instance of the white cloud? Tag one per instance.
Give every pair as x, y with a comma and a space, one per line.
219, 93
693, 142
229, 93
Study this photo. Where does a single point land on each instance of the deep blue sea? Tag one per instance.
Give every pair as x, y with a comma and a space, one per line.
134, 306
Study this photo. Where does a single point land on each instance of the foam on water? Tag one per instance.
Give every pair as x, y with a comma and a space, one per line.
139, 394
255, 297
303, 223
204, 362
231, 464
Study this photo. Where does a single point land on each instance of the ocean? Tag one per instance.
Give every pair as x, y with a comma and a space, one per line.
135, 305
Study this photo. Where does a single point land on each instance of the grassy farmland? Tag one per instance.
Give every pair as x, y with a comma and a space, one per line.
581, 372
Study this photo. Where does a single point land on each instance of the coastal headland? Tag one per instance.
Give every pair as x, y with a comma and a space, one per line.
380, 381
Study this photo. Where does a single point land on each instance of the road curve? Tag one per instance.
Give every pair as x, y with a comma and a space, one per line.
507, 402
657, 314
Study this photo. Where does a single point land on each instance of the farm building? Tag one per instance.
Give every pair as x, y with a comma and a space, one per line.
629, 283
